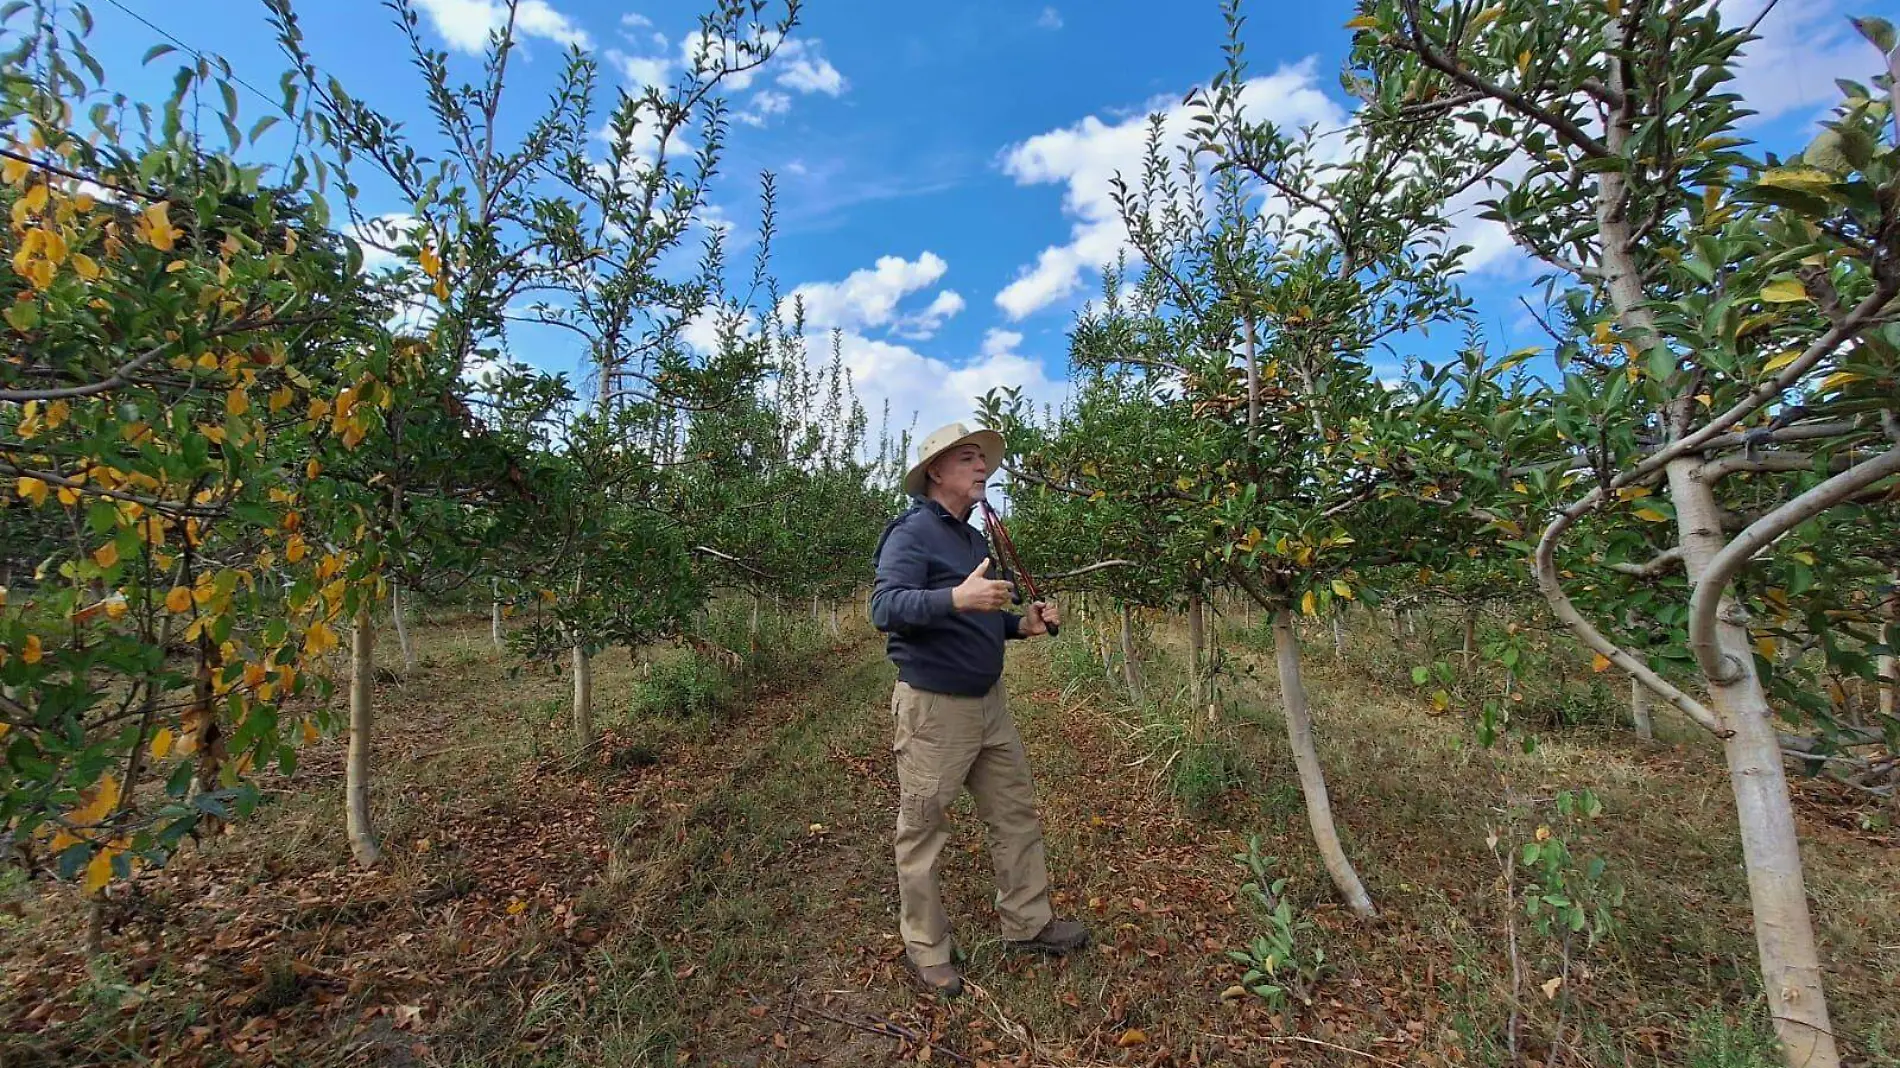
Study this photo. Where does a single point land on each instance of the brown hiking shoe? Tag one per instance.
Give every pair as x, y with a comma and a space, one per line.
942, 980
1057, 938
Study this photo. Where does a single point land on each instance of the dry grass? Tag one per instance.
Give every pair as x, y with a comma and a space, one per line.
716, 890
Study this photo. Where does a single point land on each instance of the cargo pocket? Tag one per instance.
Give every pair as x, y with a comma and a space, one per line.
919, 807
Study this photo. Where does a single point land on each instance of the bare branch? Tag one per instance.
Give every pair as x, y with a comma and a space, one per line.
1544, 564
1656, 565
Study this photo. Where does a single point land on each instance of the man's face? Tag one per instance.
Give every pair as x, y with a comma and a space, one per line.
960, 473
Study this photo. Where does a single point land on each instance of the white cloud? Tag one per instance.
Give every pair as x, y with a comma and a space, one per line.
795, 64
935, 391
765, 104
805, 71
633, 20
466, 24
1803, 48
868, 297
1086, 156
924, 325
377, 234
642, 71
1051, 19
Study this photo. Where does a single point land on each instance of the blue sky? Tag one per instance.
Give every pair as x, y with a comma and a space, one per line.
942, 169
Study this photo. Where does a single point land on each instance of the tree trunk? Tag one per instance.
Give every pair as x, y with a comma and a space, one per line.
402, 630
494, 616
1471, 634
1299, 733
363, 843
1889, 664
1639, 710
1339, 637
1253, 379
1771, 854
583, 696
1197, 656
1131, 672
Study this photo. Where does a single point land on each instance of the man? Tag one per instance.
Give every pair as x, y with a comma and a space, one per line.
947, 624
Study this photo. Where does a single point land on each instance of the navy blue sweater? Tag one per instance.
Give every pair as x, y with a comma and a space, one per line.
924, 554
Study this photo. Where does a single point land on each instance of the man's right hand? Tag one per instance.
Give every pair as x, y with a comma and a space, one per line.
979, 594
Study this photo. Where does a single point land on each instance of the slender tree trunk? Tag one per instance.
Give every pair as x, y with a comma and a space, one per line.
1131, 671
494, 616
1197, 655
402, 630
1339, 637
1253, 378
1771, 853
1889, 664
1299, 733
583, 696
753, 631
1471, 633
1639, 710
356, 824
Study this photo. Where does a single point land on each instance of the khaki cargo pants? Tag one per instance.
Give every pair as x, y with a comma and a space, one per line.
943, 744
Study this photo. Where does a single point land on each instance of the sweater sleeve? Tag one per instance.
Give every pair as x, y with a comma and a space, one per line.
899, 601
1012, 626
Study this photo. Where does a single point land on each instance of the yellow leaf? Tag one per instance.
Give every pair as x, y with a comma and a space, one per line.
161, 743
85, 267
14, 171
1309, 604
1599, 663
1485, 18
1803, 179
1840, 378
98, 871
1551, 985
319, 639
106, 555
295, 550
309, 732
33, 651
431, 263
1784, 291
1766, 647
517, 907
1134, 1036
281, 399
1341, 589
1651, 515
31, 489
237, 402
1781, 361
155, 227
178, 600
1363, 22
1630, 493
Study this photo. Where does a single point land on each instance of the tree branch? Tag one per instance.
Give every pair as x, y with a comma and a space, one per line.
1707, 598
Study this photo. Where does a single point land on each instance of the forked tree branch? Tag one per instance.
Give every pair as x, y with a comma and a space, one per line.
1544, 563
1705, 602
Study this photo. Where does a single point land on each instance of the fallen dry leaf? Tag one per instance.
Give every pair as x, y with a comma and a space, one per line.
1134, 1036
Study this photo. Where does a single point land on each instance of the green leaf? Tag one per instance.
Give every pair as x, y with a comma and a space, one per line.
156, 51
1877, 30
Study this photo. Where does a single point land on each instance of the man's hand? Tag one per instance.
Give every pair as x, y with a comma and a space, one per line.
979, 594
1042, 614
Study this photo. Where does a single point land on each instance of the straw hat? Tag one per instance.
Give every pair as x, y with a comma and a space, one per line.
942, 440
